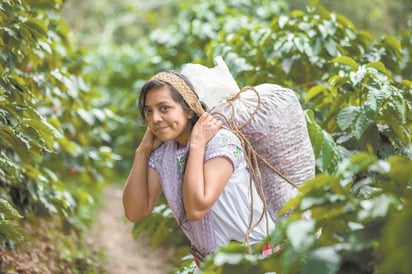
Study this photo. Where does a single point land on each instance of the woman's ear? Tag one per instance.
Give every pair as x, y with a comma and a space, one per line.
191, 115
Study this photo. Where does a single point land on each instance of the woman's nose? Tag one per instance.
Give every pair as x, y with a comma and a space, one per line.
156, 116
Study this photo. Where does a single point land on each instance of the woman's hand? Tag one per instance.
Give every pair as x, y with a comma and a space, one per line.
204, 129
150, 142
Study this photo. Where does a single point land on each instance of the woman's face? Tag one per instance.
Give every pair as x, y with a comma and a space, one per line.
165, 117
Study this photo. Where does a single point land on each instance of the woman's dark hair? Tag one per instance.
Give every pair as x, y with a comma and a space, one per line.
154, 84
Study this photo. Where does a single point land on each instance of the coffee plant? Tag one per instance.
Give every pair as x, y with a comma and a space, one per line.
54, 148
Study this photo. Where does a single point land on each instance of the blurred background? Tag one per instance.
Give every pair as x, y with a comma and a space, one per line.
96, 22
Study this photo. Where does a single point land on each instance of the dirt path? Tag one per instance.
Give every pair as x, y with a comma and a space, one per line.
124, 255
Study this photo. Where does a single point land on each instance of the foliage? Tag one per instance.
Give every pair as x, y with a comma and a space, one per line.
54, 149
363, 100
383, 17
359, 96
162, 228
294, 50
356, 90
103, 22
117, 73
349, 226
196, 26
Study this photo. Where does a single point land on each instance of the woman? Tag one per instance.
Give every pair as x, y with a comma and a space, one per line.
199, 165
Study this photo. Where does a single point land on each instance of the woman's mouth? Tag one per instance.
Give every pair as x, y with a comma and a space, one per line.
160, 129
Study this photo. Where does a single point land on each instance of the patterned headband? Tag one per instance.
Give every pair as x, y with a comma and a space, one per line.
180, 85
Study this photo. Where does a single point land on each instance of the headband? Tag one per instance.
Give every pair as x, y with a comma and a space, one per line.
184, 90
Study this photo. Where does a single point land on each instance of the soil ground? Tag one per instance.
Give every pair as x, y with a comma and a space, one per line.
111, 235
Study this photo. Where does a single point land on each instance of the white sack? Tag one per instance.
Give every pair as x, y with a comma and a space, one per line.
278, 133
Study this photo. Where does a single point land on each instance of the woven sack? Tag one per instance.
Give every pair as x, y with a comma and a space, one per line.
272, 120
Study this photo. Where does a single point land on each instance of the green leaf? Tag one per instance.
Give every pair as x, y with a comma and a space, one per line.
313, 3
311, 193
7, 211
315, 91
356, 164
401, 169
374, 101
224, 258
398, 104
357, 76
287, 64
15, 142
380, 67
321, 180
301, 234
392, 42
310, 201
332, 210
401, 132
9, 231
325, 149
324, 260
370, 140
360, 124
297, 13
396, 236
345, 60
299, 43
46, 132
344, 21
330, 46
316, 45
86, 116
260, 36
337, 81
38, 27
346, 117
377, 207
282, 21
329, 154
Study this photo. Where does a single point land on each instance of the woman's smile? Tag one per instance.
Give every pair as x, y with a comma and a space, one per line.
158, 130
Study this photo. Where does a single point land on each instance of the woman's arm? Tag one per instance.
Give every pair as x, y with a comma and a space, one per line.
203, 182
142, 188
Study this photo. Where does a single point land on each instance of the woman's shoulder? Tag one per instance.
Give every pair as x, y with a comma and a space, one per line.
226, 136
163, 149
226, 144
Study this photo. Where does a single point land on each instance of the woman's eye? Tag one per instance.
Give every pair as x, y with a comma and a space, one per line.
164, 108
147, 111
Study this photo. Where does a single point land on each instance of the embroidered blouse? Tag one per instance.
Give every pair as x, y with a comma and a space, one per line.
228, 219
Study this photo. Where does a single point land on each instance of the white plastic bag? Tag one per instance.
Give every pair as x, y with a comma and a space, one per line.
212, 85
